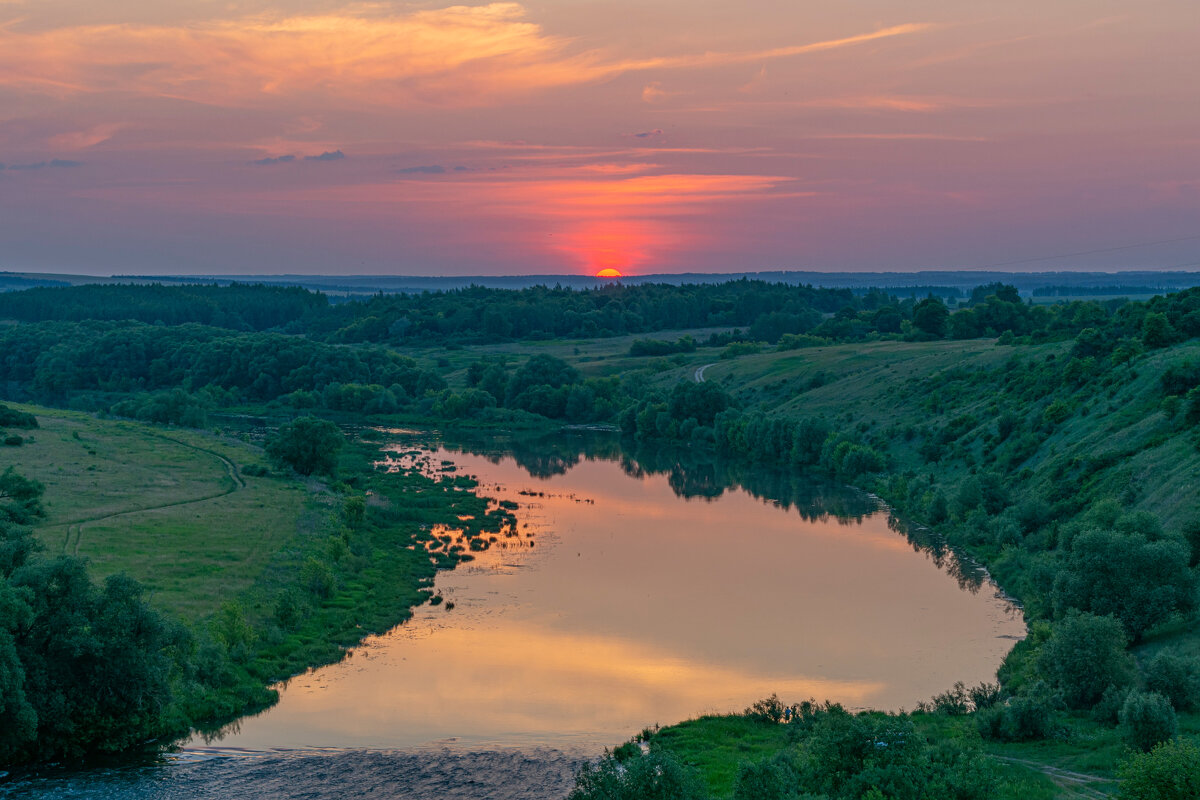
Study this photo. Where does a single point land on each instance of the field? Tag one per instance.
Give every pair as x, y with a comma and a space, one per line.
171, 508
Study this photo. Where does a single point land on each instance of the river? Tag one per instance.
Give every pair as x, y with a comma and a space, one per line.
639, 590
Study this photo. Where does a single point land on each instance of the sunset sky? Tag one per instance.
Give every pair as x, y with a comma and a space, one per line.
570, 136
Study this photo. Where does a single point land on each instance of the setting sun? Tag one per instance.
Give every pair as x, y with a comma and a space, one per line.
608, 273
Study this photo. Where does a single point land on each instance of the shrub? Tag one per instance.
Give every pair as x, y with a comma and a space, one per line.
1085, 655
1108, 710
11, 418
307, 445
769, 709
1031, 714
1170, 771
318, 578
985, 695
1176, 677
656, 776
954, 702
1140, 582
775, 778
1146, 719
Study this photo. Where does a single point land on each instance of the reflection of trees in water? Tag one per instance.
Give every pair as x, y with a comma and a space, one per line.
708, 476
690, 474
541, 455
969, 573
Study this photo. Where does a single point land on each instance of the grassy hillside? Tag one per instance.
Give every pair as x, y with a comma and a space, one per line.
171, 508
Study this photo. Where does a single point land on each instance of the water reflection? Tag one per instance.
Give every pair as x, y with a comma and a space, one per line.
661, 587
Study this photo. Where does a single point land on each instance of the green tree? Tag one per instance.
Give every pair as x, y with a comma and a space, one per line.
1084, 655
307, 445
18, 719
1157, 331
20, 497
1170, 771
1176, 677
1146, 719
931, 317
1139, 582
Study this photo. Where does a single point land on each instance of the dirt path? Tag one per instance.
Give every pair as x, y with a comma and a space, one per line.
1073, 785
236, 483
699, 376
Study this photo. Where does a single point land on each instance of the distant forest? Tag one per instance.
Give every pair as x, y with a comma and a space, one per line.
760, 311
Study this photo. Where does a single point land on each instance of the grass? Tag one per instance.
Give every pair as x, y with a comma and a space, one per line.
160, 505
718, 745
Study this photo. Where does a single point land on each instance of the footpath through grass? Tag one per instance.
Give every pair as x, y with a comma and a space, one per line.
171, 508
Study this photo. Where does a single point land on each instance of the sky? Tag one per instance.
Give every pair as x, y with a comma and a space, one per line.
570, 136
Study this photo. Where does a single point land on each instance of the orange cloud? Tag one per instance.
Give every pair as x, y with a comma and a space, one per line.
460, 55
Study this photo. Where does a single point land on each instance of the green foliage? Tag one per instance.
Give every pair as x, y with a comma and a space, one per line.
656, 776
1085, 655
774, 778
661, 347
317, 577
1176, 677
237, 306
1170, 771
931, 317
848, 756
699, 401
88, 666
1146, 719
738, 349
56, 362
12, 418
1142, 583
1033, 713
175, 407
20, 498
1157, 331
308, 445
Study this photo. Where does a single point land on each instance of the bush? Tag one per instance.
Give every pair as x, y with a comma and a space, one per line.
1146, 719
1108, 710
1170, 771
307, 445
11, 418
1176, 677
656, 776
1140, 582
775, 778
1084, 656
318, 578
769, 709
1031, 714
954, 702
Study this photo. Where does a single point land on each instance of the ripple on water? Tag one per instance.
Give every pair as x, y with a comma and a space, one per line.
319, 775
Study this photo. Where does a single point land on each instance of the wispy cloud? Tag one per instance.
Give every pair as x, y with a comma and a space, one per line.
426, 169
84, 139
460, 55
268, 161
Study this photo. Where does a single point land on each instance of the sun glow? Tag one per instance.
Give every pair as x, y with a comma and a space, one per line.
609, 273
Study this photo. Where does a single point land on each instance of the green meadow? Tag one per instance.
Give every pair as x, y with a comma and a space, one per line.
169, 507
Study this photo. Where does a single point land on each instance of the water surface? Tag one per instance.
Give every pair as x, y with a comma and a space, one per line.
639, 589
621, 604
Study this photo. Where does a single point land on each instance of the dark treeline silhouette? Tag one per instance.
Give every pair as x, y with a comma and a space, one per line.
238, 306
764, 311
